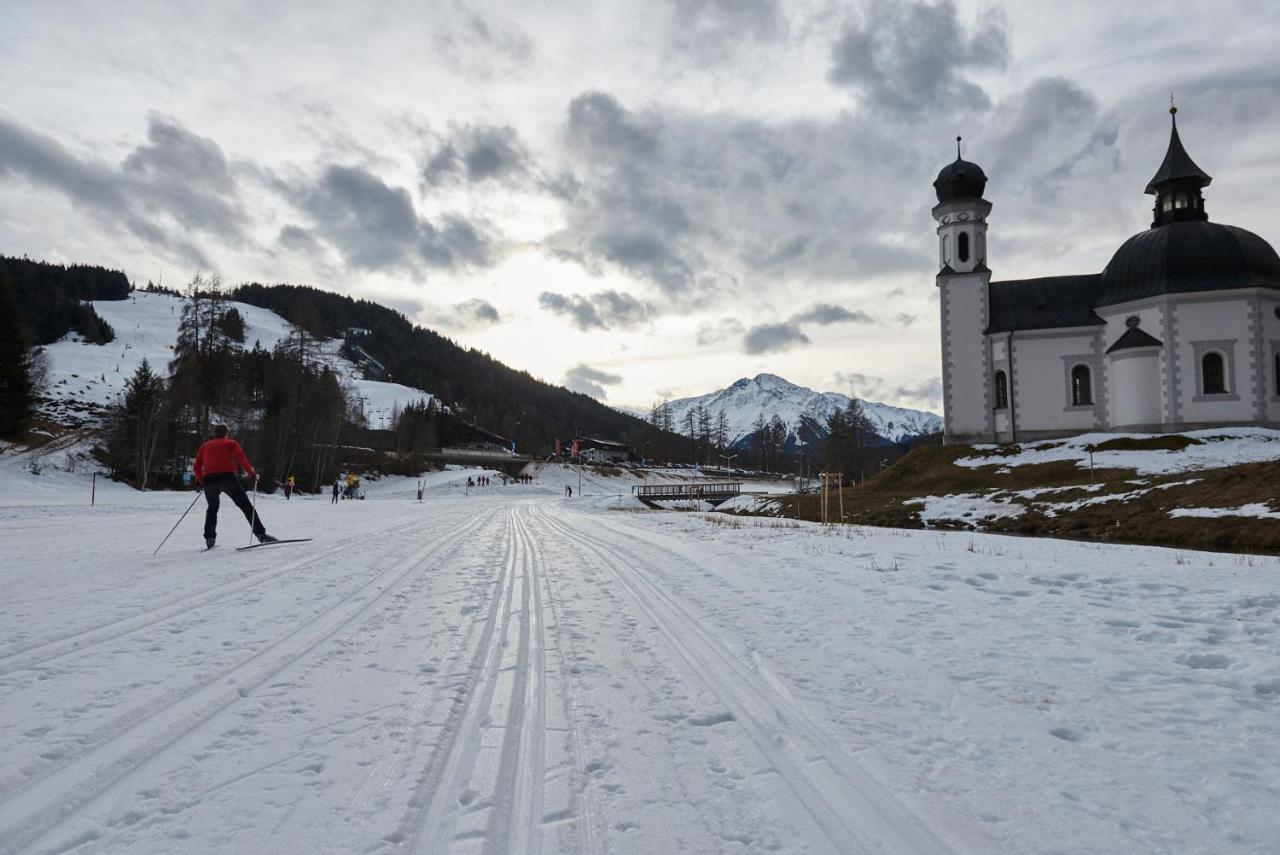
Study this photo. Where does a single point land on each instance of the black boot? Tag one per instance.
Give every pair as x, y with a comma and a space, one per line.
267, 538
208, 543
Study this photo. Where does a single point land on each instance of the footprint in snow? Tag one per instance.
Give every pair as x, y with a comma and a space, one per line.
1206, 661
1069, 734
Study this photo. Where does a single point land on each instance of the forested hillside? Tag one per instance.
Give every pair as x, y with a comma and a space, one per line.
481, 389
49, 298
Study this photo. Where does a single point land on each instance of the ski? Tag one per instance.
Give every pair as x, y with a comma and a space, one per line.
273, 543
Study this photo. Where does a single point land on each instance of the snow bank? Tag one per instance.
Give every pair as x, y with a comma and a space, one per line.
1260, 510
963, 507
1218, 447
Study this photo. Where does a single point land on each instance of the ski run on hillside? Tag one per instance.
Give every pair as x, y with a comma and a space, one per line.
504, 670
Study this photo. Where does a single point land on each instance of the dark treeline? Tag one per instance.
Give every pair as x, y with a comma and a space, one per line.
49, 298
482, 390
17, 355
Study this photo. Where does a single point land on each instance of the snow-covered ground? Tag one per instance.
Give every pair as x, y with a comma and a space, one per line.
1214, 448
504, 670
146, 327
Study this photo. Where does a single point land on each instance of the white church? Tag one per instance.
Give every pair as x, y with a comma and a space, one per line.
1180, 331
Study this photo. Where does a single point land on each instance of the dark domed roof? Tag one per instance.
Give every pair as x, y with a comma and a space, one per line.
960, 179
1188, 256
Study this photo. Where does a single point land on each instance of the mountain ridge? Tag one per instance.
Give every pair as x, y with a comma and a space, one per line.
803, 409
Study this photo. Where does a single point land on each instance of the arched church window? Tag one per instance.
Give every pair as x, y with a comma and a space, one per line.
1081, 386
1215, 382
962, 246
1277, 373
1002, 390
982, 247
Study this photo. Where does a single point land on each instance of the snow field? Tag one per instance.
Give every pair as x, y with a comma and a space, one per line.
513, 672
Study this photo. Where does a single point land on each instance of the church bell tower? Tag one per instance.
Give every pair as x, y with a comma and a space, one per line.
963, 282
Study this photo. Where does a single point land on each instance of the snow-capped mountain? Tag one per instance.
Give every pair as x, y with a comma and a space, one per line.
804, 410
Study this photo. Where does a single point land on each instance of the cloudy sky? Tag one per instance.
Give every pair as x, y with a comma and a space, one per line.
637, 199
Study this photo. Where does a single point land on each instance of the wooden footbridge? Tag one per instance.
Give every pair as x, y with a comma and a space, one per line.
704, 491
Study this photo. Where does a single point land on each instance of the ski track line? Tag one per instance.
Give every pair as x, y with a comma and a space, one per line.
391, 766
432, 807
839, 801
517, 806
39, 653
39, 809
129, 718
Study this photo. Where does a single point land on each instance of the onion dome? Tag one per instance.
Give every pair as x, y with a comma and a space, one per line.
960, 179
1181, 257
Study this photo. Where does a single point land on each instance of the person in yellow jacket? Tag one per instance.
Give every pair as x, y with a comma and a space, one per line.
289, 484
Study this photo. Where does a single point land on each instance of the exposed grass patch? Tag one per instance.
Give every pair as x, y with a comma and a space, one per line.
1169, 442
1142, 516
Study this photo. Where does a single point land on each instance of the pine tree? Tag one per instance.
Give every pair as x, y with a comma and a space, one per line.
17, 395
137, 425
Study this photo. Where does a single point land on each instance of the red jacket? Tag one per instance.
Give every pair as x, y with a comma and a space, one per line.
219, 456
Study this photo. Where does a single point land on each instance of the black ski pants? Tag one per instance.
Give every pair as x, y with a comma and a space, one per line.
214, 487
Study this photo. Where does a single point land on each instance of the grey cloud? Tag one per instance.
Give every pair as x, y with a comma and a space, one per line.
598, 121
926, 393
722, 330
602, 310
476, 153
163, 191
375, 226
590, 381
773, 338
700, 204
297, 239
471, 314
479, 46
709, 31
906, 58
828, 313
904, 319
858, 385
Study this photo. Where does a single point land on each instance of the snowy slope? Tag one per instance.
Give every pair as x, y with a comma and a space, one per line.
84, 377
746, 399
502, 670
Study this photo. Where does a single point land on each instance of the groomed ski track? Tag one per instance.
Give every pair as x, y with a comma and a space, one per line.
501, 673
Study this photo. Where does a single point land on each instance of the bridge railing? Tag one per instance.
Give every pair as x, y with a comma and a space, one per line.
695, 490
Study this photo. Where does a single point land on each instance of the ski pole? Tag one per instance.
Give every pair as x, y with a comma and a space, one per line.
255, 508
199, 493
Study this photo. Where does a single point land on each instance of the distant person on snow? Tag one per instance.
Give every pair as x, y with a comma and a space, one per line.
215, 472
335, 492
288, 487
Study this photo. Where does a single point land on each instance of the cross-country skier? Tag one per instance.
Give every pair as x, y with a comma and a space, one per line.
215, 471
335, 492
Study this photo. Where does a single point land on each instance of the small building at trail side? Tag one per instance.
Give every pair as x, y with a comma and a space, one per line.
1181, 330
594, 450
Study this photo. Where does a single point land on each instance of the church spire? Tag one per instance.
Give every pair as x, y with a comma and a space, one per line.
1177, 183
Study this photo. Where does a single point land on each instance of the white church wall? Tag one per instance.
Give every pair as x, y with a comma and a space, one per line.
966, 399
1134, 393
1270, 339
1042, 363
1204, 325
